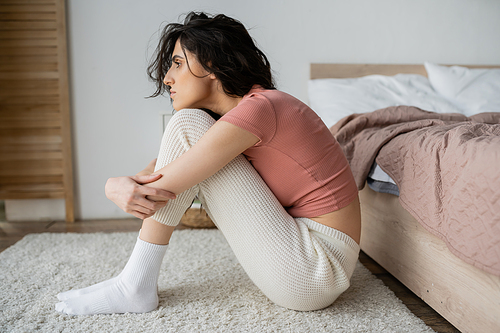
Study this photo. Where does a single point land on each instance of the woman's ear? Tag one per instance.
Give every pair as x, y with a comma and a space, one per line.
212, 76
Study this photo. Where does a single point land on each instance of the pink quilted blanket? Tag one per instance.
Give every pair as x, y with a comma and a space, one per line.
447, 168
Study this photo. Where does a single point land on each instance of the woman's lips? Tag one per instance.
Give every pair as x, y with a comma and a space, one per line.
172, 93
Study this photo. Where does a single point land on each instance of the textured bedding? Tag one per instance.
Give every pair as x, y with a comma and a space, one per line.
447, 168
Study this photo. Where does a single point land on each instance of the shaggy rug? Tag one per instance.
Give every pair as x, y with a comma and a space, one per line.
202, 288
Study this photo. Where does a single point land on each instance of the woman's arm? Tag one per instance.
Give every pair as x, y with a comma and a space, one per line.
149, 169
220, 144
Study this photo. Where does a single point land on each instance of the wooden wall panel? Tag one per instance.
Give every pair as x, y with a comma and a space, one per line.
35, 130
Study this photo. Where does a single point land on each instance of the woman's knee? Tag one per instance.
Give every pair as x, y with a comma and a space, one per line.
188, 126
196, 117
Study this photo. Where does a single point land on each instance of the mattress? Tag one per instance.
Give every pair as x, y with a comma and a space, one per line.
380, 181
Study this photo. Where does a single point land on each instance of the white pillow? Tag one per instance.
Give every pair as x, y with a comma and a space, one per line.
473, 90
334, 99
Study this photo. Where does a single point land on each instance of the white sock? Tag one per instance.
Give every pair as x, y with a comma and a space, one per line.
79, 292
133, 290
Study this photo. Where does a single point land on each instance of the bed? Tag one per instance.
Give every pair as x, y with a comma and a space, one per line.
463, 287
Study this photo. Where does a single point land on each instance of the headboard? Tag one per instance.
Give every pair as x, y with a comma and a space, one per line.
339, 71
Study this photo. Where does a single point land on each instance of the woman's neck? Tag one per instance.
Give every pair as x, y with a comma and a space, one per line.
223, 103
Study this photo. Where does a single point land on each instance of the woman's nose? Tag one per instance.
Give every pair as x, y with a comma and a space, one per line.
167, 80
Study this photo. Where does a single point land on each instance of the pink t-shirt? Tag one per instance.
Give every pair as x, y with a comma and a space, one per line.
297, 156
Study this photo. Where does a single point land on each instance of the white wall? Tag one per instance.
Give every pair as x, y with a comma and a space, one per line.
116, 130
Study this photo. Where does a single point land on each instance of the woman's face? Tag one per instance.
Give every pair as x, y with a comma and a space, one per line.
186, 89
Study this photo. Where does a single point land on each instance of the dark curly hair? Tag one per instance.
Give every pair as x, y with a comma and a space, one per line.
222, 45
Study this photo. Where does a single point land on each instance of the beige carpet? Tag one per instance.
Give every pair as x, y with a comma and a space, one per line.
202, 289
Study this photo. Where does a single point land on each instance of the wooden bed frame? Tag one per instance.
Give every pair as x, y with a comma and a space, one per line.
466, 296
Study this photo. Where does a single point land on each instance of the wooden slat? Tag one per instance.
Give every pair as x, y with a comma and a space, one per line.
11, 43
27, 85
18, 51
28, 116
28, 156
30, 120
19, 119
6, 92
28, 34
339, 71
20, 133
30, 140
23, 188
24, 132
28, 16
28, 2
10, 100
28, 75
52, 171
43, 59
30, 123
22, 180
33, 147
30, 171
10, 195
322, 71
26, 68
31, 8
31, 167
14, 109
28, 25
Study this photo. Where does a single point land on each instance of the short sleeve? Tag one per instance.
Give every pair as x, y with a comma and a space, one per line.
256, 114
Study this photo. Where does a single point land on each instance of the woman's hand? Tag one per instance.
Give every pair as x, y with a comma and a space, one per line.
129, 194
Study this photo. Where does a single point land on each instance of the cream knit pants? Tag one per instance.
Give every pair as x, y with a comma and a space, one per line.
296, 262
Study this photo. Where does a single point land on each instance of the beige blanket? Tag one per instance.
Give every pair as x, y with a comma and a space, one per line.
447, 168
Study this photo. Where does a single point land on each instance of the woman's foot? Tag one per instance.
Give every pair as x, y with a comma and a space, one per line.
135, 289
120, 296
79, 292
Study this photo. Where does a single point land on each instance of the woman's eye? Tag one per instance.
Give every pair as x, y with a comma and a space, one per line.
177, 64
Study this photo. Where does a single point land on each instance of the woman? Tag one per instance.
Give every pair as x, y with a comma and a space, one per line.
269, 173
